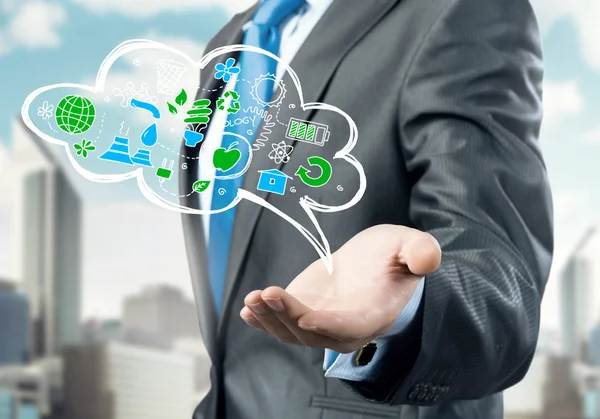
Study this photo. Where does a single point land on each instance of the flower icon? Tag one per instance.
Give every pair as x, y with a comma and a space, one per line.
84, 148
45, 111
225, 71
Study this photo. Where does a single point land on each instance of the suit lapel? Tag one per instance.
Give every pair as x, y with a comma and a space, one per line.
338, 31
192, 224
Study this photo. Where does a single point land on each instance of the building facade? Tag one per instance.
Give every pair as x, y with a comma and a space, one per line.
120, 381
195, 348
7, 405
562, 396
577, 301
161, 310
50, 242
594, 347
23, 393
525, 400
14, 325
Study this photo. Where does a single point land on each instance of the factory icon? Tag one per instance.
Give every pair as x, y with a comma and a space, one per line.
119, 152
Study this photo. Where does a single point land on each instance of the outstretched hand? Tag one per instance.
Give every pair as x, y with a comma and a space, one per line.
375, 274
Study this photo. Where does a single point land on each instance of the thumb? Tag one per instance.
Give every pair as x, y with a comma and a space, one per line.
421, 253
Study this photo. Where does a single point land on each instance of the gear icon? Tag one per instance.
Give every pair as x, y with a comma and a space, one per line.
280, 91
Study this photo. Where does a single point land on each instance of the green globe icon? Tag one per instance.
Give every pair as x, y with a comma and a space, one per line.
75, 114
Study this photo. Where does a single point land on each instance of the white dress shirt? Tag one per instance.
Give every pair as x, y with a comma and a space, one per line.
293, 32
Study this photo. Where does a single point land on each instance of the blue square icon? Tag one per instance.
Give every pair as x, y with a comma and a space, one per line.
273, 181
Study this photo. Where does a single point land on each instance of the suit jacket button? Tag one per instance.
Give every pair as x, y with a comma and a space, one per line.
365, 354
428, 393
436, 393
414, 392
423, 393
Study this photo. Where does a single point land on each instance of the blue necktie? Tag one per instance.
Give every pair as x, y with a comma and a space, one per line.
263, 33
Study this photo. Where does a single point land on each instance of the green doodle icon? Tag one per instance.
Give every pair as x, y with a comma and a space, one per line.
225, 159
322, 179
84, 148
75, 114
180, 100
234, 107
200, 113
200, 185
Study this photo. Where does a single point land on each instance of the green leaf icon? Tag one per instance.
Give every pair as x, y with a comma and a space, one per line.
172, 109
200, 185
181, 98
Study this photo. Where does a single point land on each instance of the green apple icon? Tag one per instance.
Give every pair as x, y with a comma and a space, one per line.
225, 159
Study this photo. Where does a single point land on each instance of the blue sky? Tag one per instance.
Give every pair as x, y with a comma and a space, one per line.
46, 42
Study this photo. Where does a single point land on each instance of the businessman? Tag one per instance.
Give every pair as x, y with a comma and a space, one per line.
433, 307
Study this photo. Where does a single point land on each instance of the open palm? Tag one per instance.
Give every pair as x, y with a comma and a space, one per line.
375, 274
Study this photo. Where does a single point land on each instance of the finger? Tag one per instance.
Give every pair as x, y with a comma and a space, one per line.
421, 253
250, 320
267, 318
288, 310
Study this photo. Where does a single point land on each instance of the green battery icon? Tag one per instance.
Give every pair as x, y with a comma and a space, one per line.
307, 131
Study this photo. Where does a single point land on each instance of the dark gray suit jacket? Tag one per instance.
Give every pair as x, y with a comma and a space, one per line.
446, 95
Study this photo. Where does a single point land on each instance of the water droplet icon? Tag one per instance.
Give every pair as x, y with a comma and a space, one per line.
150, 136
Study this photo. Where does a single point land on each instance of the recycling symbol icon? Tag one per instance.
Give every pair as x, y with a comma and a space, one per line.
234, 106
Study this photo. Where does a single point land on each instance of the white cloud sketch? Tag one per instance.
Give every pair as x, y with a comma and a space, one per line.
309, 205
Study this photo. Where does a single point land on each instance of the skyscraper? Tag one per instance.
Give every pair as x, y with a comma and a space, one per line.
163, 310
577, 300
14, 325
114, 380
50, 241
562, 398
595, 345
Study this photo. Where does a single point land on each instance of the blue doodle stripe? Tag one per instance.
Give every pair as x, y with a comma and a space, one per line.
147, 106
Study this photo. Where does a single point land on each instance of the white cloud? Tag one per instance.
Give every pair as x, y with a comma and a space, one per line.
592, 137
33, 25
561, 100
585, 14
146, 71
186, 45
144, 8
9, 6
569, 203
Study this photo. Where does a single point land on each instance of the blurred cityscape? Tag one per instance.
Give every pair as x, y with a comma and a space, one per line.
151, 362
65, 354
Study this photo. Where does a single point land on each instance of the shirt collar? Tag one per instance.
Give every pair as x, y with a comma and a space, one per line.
318, 4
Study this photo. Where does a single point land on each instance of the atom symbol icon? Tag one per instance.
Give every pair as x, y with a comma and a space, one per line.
281, 152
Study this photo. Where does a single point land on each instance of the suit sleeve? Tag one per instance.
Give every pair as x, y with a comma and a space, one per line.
344, 366
470, 113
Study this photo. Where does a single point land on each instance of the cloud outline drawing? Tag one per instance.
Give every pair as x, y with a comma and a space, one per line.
307, 204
